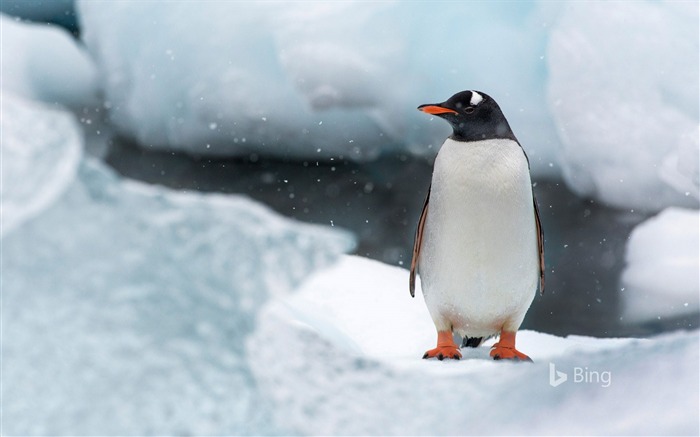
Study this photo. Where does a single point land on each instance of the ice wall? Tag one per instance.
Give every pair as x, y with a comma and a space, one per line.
125, 307
315, 80
623, 90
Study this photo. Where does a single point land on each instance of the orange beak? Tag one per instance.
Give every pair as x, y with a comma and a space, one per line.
435, 110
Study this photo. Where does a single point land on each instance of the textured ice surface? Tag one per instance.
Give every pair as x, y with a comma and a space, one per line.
44, 63
315, 80
352, 341
662, 277
41, 149
623, 89
125, 308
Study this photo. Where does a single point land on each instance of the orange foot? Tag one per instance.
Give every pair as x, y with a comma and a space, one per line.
505, 349
446, 348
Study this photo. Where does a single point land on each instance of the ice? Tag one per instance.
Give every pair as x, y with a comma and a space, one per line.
315, 80
125, 307
41, 148
352, 341
44, 63
662, 277
625, 101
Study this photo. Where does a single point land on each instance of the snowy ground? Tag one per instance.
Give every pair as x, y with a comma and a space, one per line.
343, 356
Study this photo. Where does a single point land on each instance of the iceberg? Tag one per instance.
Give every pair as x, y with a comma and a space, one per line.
625, 101
45, 63
125, 307
352, 341
315, 81
662, 276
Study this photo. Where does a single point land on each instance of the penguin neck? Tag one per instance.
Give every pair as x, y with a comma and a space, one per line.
474, 135
501, 131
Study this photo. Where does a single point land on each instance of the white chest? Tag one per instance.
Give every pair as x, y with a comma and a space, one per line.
479, 253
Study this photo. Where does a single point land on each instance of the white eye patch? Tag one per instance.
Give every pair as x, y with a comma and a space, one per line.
476, 98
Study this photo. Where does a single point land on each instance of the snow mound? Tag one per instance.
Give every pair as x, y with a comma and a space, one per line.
41, 149
625, 101
352, 341
662, 277
314, 80
125, 308
44, 63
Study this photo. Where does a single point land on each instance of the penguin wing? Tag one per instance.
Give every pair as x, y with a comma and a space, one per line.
540, 242
417, 242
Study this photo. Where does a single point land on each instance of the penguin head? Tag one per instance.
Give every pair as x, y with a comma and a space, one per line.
473, 115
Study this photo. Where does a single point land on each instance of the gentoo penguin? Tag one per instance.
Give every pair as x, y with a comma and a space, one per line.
479, 246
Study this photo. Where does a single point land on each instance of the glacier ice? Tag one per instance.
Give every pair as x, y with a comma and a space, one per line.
353, 339
315, 80
41, 148
623, 90
125, 307
44, 63
662, 276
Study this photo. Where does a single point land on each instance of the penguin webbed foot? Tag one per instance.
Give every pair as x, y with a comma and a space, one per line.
505, 349
442, 352
446, 348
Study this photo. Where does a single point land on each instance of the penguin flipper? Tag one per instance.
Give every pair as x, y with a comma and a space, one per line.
417, 243
540, 243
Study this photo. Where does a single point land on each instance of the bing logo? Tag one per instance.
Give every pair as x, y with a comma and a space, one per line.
580, 375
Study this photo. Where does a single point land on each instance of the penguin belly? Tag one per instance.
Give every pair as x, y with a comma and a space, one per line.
479, 260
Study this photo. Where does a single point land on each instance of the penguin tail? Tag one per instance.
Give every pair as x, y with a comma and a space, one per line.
472, 341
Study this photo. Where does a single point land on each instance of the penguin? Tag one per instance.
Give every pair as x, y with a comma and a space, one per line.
479, 244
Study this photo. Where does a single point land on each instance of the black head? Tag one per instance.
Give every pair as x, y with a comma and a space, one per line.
473, 116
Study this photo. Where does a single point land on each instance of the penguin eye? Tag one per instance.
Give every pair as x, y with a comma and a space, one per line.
469, 109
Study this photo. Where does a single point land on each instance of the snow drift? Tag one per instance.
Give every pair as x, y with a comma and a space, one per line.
125, 307
352, 341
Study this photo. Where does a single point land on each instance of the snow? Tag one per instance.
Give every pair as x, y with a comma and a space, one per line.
315, 80
352, 341
41, 62
625, 101
662, 277
125, 307
41, 148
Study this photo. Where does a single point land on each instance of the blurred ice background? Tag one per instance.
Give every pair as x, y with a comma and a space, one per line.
146, 288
